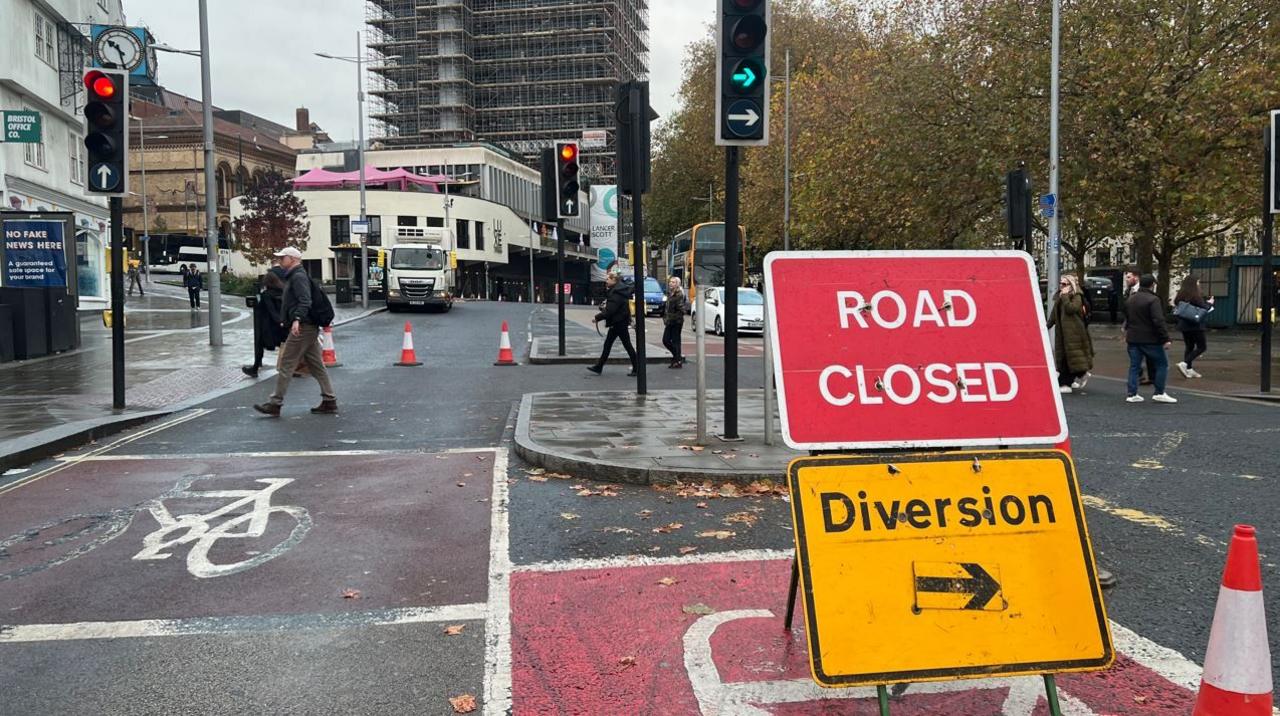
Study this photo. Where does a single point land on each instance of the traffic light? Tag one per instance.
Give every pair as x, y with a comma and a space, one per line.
631, 148
1018, 204
106, 123
567, 180
742, 74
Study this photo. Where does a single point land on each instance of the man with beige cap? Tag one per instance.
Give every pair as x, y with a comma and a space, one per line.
303, 343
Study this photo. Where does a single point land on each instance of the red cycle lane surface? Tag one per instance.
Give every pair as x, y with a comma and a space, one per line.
333, 534
708, 639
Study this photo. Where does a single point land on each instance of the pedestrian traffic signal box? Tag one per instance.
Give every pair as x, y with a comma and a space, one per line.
742, 73
106, 117
1018, 204
566, 179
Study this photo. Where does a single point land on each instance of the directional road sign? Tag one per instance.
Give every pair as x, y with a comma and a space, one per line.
908, 349
103, 177
743, 116
923, 567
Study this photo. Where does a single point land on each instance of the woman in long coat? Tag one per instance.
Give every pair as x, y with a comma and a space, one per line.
1072, 345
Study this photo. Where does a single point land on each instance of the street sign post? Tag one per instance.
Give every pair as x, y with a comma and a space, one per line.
930, 567
21, 126
911, 349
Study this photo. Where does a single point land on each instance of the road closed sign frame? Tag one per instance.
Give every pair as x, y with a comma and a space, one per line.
939, 566
1039, 419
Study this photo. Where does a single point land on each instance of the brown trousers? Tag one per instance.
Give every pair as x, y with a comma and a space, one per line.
302, 348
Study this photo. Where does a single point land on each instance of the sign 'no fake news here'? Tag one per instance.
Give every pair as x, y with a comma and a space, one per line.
908, 349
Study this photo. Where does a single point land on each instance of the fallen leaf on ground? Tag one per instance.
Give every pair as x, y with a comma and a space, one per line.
668, 581
699, 608
454, 630
537, 478
559, 476
626, 662
687, 550
568, 515
536, 471
742, 518
729, 490
668, 529
644, 514
351, 594
463, 704
701, 505
718, 534
462, 484
619, 530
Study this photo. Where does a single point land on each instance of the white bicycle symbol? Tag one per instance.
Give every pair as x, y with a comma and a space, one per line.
62, 540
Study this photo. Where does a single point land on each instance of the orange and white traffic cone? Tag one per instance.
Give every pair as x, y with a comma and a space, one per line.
407, 355
328, 353
505, 356
1237, 664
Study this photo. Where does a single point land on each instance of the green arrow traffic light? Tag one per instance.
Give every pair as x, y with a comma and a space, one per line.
746, 78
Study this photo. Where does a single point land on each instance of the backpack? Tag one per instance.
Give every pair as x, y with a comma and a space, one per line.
321, 308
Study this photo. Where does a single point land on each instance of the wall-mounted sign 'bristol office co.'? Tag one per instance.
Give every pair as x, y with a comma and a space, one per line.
20, 126
925, 567
905, 349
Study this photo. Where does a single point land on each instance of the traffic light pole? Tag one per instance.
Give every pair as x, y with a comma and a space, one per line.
210, 185
117, 302
1268, 250
732, 267
638, 111
560, 281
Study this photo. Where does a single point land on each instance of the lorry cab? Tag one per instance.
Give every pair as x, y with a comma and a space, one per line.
418, 272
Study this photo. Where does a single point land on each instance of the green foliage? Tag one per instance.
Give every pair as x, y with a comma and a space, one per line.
273, 217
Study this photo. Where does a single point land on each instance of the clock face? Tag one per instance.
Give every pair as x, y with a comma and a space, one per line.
118, 47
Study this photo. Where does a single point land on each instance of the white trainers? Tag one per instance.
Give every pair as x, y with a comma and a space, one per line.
1082, 381
1164, 398
1064, 389
1133, 399
1193, 373
1182, 368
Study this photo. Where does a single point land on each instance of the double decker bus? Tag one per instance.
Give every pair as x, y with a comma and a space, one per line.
696, 255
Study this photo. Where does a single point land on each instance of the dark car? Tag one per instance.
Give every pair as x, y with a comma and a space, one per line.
1102, 286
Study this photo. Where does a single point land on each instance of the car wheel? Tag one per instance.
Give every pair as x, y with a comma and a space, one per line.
719, 327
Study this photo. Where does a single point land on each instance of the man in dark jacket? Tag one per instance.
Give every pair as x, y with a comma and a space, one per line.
268, 319
1147, 336
194, 281
673, 317
617, 316
303, 343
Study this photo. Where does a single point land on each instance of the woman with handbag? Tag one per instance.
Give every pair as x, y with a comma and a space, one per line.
1192, 310
1072, 345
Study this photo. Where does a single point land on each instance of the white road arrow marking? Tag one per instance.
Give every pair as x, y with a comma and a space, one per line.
750, 117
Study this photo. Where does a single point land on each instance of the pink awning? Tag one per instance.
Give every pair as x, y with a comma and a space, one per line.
325, 179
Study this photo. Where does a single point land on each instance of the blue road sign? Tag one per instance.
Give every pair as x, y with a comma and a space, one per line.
1049, 200
103, 177
744, 117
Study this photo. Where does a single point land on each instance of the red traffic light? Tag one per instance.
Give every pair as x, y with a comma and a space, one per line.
101, 85
568, 152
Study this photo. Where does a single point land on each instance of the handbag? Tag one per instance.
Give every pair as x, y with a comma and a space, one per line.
1190, 312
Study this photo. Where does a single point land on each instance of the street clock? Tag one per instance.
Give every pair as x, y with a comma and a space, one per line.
118, 47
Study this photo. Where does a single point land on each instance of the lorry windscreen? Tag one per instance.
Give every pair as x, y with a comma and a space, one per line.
417, 259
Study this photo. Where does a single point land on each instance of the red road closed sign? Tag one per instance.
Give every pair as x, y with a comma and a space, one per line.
908, 349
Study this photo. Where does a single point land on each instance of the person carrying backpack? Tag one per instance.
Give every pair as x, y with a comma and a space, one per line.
305, 310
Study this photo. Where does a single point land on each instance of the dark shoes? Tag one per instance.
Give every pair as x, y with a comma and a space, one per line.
595, 369
677, 364
268, 409
249, 370
631, 373
326, 407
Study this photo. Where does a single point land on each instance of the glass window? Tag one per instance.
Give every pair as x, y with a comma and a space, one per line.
76, 156
406, 221
749, 297
375, 231
479, 236
33, 152
464, 233
46, 39
339, 230
435, 221
417, 258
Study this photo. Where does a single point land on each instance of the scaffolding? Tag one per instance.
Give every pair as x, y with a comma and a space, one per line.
517, 73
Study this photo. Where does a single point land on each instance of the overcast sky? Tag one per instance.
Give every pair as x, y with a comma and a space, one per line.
263, 59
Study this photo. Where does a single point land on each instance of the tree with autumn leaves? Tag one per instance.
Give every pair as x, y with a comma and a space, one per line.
273, 217
905, 118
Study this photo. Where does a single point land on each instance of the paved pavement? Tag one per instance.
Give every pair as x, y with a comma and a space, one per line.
573, 596
168, 362
582, 341
1231, 366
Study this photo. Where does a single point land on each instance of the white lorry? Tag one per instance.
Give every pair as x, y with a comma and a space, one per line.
418, 271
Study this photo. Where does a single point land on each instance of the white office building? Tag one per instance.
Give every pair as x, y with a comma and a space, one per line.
42, 58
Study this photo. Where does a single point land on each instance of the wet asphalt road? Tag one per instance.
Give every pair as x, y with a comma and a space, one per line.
1168, 483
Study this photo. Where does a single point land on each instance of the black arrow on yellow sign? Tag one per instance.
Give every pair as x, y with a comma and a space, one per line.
979, 583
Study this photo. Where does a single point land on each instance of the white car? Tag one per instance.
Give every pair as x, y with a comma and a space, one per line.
750, 310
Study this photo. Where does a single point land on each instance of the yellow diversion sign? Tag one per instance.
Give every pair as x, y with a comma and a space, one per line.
925, 567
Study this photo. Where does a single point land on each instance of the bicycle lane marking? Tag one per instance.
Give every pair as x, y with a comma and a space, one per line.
677, 636
374, 517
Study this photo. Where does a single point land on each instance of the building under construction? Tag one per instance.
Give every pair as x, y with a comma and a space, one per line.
516, 73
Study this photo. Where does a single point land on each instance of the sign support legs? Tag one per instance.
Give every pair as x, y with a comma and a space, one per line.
1051, 693
117, 302
791, 591
882, 697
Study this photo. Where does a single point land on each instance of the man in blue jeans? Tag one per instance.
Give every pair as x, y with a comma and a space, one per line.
1147, 336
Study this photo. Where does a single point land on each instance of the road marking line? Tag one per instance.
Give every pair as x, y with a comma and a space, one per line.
145, 628
497, 623
274, 454
68, 462
1166, 445
1146, 520
746, 555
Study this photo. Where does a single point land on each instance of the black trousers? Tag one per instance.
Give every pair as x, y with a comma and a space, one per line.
622, 333
1197, 344
193, 295
671, 339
